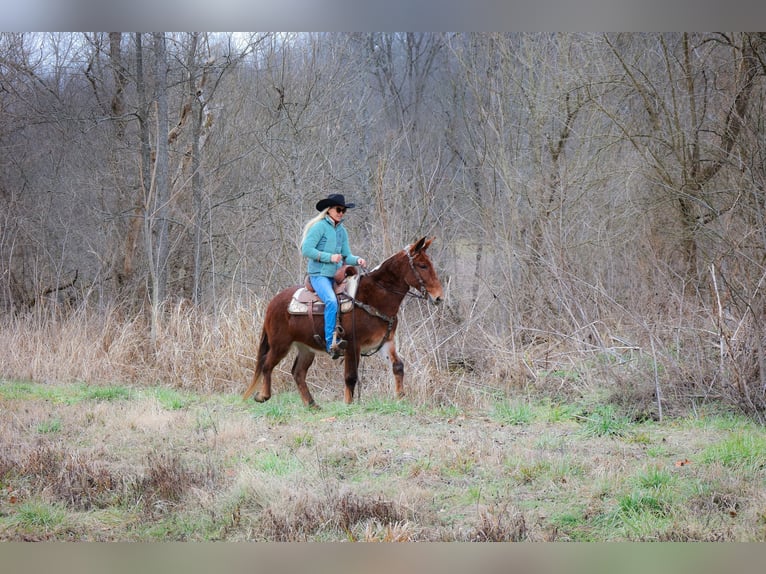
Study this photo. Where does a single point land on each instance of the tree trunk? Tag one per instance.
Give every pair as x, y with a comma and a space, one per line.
161, 171
196, 178
145, 167
124, 273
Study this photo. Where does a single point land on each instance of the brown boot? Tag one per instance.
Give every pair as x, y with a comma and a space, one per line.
338, 348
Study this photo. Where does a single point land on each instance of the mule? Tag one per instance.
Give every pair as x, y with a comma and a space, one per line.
368, 328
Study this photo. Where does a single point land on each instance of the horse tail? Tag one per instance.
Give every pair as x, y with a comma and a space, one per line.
263, 349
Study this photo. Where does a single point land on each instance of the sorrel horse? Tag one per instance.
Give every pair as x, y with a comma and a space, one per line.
369, 327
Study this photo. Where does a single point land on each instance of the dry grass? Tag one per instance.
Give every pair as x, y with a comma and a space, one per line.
206, 352
129, 468
193, 350
548, 442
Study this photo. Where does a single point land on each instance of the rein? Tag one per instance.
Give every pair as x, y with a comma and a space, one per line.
423, 294
375, 313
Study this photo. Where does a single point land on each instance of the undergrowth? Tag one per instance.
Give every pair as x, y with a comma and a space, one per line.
153, 465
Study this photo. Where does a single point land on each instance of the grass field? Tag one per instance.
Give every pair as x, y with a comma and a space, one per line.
141, 463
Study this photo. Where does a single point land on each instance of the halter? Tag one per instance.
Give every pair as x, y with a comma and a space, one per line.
423, 290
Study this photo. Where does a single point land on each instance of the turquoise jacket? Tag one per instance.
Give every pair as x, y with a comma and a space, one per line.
322, 241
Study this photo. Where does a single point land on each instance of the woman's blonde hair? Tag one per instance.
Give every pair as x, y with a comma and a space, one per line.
319, 217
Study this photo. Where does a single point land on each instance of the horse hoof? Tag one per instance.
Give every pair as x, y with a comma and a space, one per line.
259, 398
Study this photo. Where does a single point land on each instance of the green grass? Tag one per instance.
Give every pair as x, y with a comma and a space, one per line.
655, 477
39, 517
460, 465
49, 426
448, 411
388, 406
304, 439
573, 523
70, 394
205, 420
173, 400
743, 451
641, 515
548, 442
513, 413
559, 412
566, 470
334, 410
116, 393
713, 417
17, 390
275, 463
280, 408
185, 527
604, 421
658, 450
635, 515
640, 502
11, 390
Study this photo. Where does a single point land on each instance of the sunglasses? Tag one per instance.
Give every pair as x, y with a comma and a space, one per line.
340, 209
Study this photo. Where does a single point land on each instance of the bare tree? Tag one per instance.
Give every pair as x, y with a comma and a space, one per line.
582, 185
694, 92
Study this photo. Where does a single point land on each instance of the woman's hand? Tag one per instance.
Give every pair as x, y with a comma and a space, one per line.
336, 258
361, 262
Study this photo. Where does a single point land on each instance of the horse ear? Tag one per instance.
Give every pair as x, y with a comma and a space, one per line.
420, 245
417, 246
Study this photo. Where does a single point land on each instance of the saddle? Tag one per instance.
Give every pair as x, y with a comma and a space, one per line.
306, 302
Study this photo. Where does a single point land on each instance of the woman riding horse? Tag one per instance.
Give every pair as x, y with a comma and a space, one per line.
325, 245
369, 327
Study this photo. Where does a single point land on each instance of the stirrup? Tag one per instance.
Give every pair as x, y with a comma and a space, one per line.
337, 348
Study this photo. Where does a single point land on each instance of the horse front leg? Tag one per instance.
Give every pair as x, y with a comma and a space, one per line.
397, 367
351, 373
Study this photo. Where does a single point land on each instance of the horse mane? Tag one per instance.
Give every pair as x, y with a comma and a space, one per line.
382, 263
384, 271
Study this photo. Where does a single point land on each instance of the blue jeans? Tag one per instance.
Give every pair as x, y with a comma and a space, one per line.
323, 287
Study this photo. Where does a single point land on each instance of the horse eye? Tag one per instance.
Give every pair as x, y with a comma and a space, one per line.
422, 266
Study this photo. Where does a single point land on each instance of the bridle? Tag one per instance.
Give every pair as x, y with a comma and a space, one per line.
422, 290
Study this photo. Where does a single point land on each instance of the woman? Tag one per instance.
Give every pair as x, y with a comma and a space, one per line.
325, 245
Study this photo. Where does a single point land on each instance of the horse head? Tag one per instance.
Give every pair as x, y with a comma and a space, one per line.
423, 273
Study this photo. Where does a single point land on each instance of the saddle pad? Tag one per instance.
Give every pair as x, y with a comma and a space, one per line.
302, 298
299, 304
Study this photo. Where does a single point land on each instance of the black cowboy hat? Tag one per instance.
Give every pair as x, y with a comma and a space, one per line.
332, 200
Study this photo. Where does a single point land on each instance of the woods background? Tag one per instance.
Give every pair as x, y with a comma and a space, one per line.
598, 203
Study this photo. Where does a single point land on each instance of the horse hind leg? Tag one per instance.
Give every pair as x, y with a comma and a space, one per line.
263, 376
251, 389
303, 361
263, 350
269, 356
